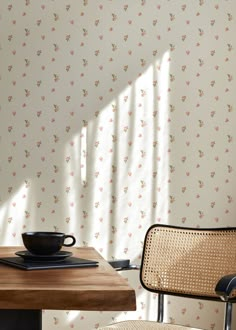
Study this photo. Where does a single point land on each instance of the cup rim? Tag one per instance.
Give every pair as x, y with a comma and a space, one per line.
41, 233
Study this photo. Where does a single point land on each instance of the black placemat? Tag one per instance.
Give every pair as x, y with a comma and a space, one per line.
71, 262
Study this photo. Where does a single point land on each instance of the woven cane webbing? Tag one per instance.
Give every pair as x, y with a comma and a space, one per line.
144, 325
187, 261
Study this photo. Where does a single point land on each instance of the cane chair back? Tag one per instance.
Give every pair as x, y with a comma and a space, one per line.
187, 262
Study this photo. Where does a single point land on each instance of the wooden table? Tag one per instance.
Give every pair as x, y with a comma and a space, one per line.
24, 294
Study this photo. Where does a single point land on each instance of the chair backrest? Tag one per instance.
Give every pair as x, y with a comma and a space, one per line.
187, 261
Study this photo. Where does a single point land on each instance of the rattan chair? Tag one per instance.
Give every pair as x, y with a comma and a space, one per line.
187, 262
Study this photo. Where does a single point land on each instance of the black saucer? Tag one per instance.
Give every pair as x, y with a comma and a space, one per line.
59, 256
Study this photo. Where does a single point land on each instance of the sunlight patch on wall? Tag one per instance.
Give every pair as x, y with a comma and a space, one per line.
73, 176
163, 139
144, 84
14, 214
72, 315
83, 154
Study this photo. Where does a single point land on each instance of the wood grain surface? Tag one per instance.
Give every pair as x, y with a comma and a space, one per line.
96, 289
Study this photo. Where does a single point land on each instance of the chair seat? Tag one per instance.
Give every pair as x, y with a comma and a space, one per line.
145, 325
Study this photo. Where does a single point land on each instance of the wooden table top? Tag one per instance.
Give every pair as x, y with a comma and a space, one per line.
96, 289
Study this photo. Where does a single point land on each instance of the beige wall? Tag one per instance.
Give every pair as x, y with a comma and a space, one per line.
115, 115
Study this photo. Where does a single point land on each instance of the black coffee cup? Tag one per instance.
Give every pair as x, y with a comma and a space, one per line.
45, 242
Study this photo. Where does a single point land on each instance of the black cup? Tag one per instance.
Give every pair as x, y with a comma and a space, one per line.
44, 242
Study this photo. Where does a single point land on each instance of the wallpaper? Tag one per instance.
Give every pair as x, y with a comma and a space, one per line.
115, 115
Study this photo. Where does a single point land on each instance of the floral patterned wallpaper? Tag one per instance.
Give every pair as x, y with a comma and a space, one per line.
115, 115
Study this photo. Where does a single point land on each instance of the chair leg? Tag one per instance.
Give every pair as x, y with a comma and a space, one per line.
228, 316
160, 308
